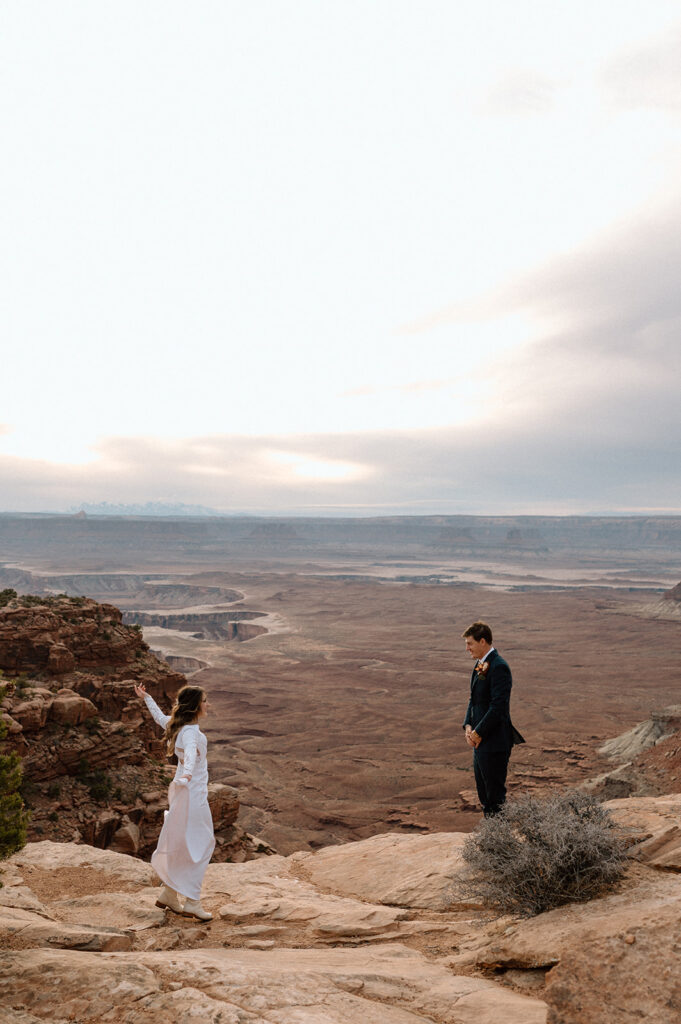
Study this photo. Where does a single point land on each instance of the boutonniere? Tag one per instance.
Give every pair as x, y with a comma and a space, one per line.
482, 668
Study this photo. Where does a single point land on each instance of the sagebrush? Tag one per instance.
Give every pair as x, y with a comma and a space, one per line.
540, 853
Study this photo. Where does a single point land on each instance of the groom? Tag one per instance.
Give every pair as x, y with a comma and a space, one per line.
487, 725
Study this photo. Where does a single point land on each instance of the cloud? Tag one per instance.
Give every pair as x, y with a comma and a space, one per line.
562, 461
320, 470
520, 93
415, 387
586, 418
648, 76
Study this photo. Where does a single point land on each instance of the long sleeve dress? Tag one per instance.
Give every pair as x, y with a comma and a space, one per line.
186, 842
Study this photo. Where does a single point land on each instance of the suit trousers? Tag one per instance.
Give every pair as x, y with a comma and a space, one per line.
490, 778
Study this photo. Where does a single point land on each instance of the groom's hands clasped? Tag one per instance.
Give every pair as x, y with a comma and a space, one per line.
472, 738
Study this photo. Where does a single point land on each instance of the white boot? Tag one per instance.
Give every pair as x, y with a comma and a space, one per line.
169, 900
193, 908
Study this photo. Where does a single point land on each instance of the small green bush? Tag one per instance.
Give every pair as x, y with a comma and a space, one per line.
27, 789
20, 686
13, 815
98, 782
540, 853
99, 785
6, 596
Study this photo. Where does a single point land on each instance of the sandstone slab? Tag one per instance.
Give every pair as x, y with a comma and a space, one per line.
655, 827
392, 868
73, 985
269, 889
24, 928
610, 961
50, 856
20, 897
125, 911
650, 903
386, 985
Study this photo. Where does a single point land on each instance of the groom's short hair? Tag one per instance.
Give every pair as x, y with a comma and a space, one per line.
479, 631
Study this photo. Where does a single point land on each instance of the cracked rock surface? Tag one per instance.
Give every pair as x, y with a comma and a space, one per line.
363, 933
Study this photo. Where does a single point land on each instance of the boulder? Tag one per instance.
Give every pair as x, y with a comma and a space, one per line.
13, 727
224, 804
469, 800
71, 709
60, 660
126, 838
32, 714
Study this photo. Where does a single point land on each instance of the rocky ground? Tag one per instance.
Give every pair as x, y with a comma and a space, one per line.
371, 932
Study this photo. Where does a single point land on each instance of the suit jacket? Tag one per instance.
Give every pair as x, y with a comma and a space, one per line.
489, 706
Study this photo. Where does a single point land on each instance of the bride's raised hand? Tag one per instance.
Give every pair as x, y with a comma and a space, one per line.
140, 690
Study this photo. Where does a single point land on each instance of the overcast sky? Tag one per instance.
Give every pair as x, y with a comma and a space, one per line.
369, 255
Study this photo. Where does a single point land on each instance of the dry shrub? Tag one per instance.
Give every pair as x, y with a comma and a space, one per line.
540, 853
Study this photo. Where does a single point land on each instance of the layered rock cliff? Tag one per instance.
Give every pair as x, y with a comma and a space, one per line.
648, 758
94, 762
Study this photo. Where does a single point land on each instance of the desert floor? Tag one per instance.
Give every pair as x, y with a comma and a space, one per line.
344, 720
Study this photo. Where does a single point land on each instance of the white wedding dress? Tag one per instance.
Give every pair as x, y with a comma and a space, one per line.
186, 842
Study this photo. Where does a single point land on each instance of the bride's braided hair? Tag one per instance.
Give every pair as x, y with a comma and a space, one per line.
185, 711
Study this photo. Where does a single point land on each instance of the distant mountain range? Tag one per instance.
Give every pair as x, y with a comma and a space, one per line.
149, 508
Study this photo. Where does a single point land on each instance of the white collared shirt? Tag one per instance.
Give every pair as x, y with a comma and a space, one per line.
480, 660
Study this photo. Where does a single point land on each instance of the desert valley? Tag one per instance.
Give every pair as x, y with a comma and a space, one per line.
331, 652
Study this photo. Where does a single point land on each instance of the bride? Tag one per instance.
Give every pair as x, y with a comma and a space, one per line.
186, 842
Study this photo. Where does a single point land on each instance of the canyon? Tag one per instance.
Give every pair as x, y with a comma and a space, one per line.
332, 656
341, 787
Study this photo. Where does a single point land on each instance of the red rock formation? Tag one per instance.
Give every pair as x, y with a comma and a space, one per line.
674, 594
94, 763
